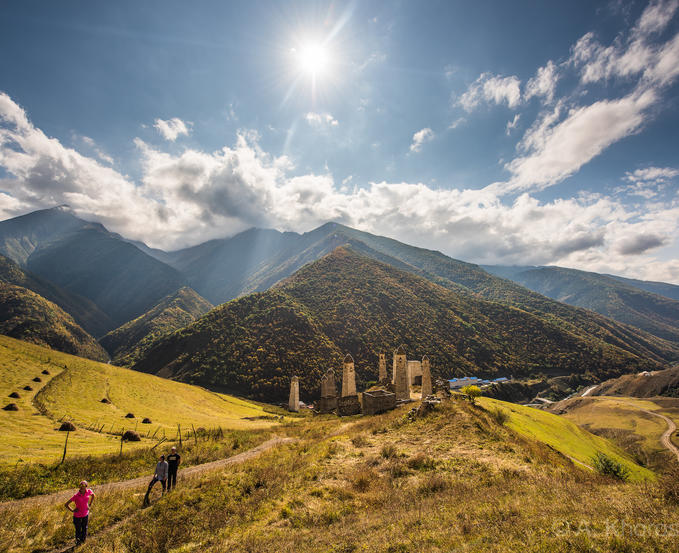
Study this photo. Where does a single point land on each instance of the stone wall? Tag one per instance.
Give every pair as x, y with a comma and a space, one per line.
378, 401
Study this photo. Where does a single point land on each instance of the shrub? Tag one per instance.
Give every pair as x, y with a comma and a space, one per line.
605, 465
471, 392
421, 461
434, 484
500, 416
67, 426
359, 441
389, 451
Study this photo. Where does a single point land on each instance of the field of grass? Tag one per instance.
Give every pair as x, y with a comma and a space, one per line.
623, 420
564, 436
73, 391
453, 480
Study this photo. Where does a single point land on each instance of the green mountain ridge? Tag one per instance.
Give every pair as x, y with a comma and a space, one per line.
349, 303
27, 316
84, 311
610, 296
129, 342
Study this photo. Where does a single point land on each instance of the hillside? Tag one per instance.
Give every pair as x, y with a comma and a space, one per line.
453, 480
27, 316
74, 388
661, 288
612, 297
117, 276
656, 383
84, 311
21, 236
347, 302
129, 342
268, 257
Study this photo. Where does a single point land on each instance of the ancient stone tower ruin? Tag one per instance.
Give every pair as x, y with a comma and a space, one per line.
348, 404
426, 377
383, 368
328, 402
401, 378
293, 402
348, 377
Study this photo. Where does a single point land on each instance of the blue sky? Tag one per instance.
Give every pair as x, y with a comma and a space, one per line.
496, 132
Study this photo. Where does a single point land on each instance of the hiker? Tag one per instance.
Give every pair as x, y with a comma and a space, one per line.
159, 476
82, 500
173, 462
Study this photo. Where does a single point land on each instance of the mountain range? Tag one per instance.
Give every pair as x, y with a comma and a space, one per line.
134, 297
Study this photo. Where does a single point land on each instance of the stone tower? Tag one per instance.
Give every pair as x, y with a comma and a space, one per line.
328, 401
383, 368
328, 386
348, 377
400, 377
426, 377
293, 403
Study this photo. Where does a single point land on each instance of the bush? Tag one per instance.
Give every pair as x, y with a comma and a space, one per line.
420, 461
500, 416
607, 466
67, 426
669, 485
471, 392
389, 451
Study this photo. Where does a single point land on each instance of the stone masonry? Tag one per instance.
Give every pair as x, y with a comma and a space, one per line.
400, 376
293, 403
383, 368
328, 402
426, 377
348, 403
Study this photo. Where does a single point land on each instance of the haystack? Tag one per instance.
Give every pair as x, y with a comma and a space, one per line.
67, 426
129, 416
146, 421
105, 400
37, 379
15, 395
10, 407
131, 436
28, 388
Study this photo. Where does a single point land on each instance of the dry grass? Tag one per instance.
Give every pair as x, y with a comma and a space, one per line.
453, 481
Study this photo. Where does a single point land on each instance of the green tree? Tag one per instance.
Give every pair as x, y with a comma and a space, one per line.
472, 392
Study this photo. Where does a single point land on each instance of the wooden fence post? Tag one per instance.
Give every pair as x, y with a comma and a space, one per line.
65, 445
121, 441
195, 439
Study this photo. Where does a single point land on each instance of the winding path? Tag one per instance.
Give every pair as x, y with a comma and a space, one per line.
665, 439
143, 481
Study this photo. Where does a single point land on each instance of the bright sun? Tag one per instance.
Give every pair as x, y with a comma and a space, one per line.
312, 59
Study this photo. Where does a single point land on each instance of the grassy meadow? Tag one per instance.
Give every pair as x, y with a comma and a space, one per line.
623, 420
564, 436
31, 445
457, 479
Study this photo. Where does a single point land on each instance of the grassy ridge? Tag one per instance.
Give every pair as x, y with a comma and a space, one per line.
130, 341
564, 435
347, 302
27, 316
74, 389
455, 480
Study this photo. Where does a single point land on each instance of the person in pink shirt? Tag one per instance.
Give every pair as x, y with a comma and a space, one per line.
82, 500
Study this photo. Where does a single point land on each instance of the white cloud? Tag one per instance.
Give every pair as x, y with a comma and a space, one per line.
544, 83
492, 89
420, 138
455, 124
170, 129
652, 175
567, 136
320, 119
511, 125
555, 150
101, 154
186, 198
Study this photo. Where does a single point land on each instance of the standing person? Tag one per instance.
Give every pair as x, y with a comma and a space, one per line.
159, 476
82, 500
173, 462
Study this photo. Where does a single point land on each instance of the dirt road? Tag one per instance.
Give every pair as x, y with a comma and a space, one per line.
665, 439
143, 481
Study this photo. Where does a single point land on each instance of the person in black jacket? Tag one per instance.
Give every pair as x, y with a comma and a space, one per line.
173, 461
